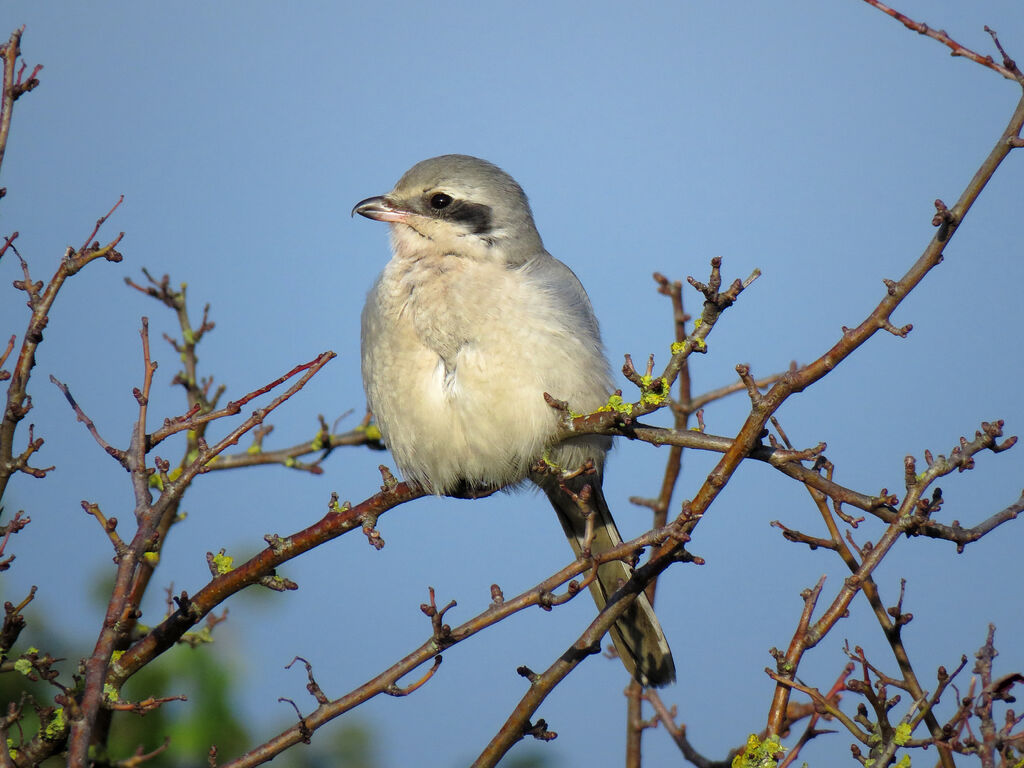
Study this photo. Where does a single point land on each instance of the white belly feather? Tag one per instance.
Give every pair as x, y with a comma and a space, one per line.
449, 372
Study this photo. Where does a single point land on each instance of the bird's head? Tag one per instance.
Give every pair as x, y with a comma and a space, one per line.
461, 205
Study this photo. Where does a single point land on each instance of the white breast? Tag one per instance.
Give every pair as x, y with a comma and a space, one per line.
457, 355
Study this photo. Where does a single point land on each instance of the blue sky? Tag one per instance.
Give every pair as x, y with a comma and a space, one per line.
806, 139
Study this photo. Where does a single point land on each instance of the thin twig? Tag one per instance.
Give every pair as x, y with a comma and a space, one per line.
956, 49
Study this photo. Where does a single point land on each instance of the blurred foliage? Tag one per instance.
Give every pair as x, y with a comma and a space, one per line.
206, 718
210, 716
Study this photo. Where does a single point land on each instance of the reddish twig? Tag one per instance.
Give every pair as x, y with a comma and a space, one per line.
89, 424
811, 731
956, 49
89, 244
788, 663
40, 299
4, 375
13, 86
193, 421
141, 757
122, 608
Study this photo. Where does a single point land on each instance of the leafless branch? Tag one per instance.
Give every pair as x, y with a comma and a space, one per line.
1008, 69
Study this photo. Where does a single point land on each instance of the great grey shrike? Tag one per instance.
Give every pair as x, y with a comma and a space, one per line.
467, 327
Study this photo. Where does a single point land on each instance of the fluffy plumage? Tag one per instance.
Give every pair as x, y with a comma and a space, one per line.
466, 328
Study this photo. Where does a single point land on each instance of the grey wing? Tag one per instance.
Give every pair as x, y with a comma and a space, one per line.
569, 295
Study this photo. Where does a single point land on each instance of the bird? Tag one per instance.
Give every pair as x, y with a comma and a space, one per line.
464, 331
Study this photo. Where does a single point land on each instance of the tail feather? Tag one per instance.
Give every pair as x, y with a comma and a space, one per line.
637, 635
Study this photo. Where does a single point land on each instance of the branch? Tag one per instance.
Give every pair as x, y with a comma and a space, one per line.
1008, 70
678, 734
666, 551
363, 435
122, 609
13, 86
89, 424
442, 635
798, 380
338, 520
40, 301
788, 663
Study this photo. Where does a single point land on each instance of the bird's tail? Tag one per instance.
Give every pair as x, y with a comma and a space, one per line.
637, 635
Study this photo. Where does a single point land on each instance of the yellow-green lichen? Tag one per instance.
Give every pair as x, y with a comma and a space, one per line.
758, 754
902, 735
115, 657
678, 346
57, 725
151, 557
256, 449
223, 563
372, 431
651, 398
618, 405
111, 694
23, 665
335, 506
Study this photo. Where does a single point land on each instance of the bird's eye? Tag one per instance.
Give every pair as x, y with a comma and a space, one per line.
440, 200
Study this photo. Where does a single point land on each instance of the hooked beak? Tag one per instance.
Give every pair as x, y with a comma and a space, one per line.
381, 209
